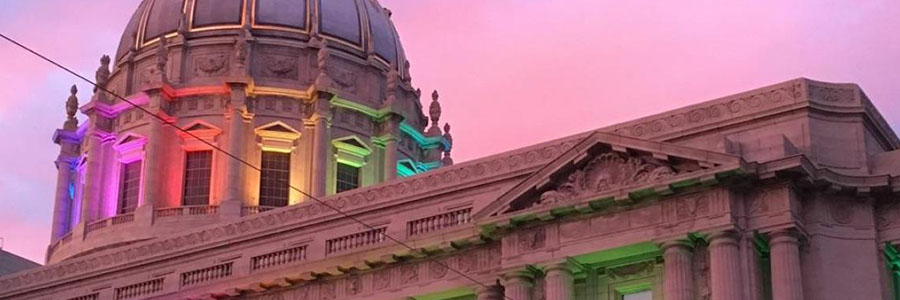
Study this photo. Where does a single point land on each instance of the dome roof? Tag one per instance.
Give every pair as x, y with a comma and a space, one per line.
355, 26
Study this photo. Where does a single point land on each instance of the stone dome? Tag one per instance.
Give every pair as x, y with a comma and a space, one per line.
360, 27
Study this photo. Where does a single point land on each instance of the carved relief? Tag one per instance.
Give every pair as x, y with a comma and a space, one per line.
301, 293
632, 270
353, 285
279, 66
466, 263
438, 269
327, 290
692, 207
830, 94
210, 65
345, 79
409, 273
743, 105
888, 215
381, 279
607, 172
532, 239
842, 211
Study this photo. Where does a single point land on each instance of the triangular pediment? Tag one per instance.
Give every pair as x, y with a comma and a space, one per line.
604, 165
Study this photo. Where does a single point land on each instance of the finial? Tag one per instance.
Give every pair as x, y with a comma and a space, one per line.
102, 74
434, 111
447, 160
72, 108
162, 59
447, 135
408, 78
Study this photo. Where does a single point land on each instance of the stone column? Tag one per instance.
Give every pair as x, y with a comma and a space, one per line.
390, 158
154, 162
725, 266
787, 283
236, 171
679, 280
518, 285
321, 145
560, 282
63, 202
490, 292
90, 197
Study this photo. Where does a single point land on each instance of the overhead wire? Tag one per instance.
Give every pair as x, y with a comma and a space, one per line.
164, 121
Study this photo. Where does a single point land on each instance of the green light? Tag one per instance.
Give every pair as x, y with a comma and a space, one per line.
451, 294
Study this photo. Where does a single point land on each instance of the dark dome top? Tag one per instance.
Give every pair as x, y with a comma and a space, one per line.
351, 25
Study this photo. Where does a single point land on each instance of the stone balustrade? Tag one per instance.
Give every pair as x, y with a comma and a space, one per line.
252, 210
278, 258
187, 211
206, 274
356, 240
140, 289
440, 221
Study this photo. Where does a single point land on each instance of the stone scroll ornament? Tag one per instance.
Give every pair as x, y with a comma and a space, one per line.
607, 172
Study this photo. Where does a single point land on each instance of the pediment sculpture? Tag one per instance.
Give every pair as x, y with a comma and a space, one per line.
607, 172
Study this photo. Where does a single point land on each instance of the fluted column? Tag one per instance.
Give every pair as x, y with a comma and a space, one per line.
321, 145
724, 259
787, 283
679, 281
63, 202
490, 292
518, 285
560, 282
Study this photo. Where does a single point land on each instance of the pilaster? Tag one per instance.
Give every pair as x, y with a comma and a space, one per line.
321, 145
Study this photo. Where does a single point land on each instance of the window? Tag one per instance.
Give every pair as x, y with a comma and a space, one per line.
130, 188
197, 174
645, 295
347, 177
274, 185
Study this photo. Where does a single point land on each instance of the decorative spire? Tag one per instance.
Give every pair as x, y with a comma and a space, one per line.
434, 113
408, 78
393, 82
71, 109
102, 74
447, 160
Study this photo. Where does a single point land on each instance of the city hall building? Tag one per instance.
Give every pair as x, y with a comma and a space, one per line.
786, 192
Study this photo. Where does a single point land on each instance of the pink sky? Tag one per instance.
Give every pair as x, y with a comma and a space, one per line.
510, 72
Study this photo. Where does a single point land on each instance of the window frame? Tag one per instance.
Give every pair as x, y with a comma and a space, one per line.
121, 208
184, 177
337, 177
262, 177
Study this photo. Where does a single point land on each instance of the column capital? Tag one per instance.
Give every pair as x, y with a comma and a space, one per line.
489, 292
676, 244
522, 275
559, 266
788, 235
729, 237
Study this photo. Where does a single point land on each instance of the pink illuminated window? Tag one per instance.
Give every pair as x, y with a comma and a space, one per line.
130, 187
275, 179
197, 178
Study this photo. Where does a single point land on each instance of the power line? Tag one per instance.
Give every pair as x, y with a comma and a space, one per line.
242, 161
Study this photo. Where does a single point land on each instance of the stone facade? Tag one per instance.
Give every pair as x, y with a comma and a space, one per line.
784, 192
